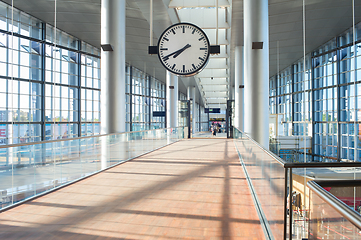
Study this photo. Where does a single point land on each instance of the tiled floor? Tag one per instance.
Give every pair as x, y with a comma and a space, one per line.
193, 189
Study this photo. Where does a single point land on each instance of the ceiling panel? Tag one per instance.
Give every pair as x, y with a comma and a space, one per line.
216, 94
204, 18
209, 88
217, 63
222, 37
198, 3
217, 100
213, 73
214, 81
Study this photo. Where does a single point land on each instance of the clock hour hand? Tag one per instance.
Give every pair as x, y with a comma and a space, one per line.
176, 52
181, 50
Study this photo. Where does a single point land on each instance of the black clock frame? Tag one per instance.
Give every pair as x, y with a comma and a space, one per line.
190, 74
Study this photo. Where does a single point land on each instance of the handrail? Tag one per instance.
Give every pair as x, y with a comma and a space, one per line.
322, 164
277, 158
75, 138
335, 203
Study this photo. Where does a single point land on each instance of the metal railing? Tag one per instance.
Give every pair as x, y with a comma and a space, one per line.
331, 213
32, 169
270, 178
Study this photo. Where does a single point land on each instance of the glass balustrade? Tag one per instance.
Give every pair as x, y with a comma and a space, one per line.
330, 216
31, 169
268, 179
275, 183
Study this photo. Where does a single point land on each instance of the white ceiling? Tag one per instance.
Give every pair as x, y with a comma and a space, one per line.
324, 20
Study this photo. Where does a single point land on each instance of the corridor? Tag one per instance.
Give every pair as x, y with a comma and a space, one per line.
192, 189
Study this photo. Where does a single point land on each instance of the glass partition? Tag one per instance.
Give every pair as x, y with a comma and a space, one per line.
30, 169
328, 223
268, 180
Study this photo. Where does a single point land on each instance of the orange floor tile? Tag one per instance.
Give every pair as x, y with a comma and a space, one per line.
193, 189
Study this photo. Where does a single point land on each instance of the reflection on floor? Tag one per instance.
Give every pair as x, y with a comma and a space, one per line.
187, 190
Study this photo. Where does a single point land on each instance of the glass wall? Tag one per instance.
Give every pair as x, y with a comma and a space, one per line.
157, 102
322, 100
203, 120
50, 84
182, 96
144, 94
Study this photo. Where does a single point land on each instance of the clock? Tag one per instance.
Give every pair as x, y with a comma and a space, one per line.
183, 49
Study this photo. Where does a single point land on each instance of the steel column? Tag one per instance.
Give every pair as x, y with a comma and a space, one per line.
256, 70
113, 67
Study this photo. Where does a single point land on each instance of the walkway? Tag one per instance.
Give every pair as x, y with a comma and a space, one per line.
193, 189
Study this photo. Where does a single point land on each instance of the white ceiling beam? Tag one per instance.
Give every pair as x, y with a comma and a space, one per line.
211, 34
217, 63
214, 81
197, 3
216, 95
216, 101
208, 88
213, 73
204, 18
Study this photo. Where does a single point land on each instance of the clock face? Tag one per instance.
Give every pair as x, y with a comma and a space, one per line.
183, 49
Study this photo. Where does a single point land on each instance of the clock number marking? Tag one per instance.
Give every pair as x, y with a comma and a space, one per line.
165, 58
164, 49
193, 66
201, 38
193, 31
173, 31
166, 39
184, 68
173, 66
184, 30
201, 59
203, 49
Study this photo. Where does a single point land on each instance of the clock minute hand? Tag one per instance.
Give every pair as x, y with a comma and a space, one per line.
181, 50
176, 52
167, 57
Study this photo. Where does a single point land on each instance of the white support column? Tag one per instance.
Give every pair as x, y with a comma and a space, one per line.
238, 91
113, 67
191, 95
230, 90
113, 76
172, 100
256, 70
194, 113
